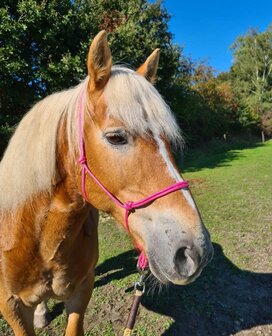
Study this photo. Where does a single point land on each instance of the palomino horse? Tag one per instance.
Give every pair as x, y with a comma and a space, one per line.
120, 127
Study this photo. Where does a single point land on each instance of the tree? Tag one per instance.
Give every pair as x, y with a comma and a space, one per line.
40, 51
252, 76
43, 45
209, 107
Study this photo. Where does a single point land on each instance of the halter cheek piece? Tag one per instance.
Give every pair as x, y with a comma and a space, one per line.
127, 206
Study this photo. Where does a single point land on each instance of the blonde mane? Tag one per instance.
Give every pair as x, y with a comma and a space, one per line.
132, 99
29, 163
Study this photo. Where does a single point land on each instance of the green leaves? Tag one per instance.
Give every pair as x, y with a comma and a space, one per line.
41, 50
252, 76
44, 44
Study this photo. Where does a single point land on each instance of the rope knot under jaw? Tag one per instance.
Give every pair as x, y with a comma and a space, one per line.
82, 160
129, 206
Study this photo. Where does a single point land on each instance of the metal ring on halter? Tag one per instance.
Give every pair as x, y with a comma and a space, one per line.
139, 286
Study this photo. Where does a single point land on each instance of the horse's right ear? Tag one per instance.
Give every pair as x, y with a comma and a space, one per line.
99, 62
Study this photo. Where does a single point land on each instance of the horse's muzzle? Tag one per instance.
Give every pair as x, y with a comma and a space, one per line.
185, 265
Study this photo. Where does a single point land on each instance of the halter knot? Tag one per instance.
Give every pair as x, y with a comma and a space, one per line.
142, 261
82, 160
129, 206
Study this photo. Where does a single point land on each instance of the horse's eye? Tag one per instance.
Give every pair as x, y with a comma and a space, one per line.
116, 138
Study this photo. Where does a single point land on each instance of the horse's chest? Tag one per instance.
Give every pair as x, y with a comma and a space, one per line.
56, 267
59, 279
59, 285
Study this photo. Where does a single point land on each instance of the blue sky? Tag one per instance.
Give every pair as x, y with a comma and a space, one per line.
206, 28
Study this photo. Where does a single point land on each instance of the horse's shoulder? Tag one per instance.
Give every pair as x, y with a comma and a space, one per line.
7, 231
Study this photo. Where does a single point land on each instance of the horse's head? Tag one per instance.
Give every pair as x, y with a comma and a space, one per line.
127, 135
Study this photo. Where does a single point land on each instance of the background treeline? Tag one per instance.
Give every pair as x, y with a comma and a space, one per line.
43, 48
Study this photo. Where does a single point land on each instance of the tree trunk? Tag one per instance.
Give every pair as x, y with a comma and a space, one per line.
263, 137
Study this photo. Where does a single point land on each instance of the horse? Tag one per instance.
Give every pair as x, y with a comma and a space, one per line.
89, 148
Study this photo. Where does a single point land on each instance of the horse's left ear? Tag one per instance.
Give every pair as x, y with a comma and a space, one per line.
149, 68
99, 62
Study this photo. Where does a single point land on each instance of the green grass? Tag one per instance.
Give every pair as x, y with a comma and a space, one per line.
232, 186
234, 195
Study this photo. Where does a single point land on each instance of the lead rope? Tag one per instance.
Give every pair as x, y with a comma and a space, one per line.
139, 291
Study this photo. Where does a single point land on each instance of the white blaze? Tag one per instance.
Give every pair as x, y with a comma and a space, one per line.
172, 170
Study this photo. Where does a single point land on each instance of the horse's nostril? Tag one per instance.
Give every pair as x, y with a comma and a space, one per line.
186, 261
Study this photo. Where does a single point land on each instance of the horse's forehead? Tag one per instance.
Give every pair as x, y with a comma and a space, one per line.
134, 104
102, 116
105, 120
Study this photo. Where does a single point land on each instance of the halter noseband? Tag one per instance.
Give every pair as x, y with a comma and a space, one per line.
128, 206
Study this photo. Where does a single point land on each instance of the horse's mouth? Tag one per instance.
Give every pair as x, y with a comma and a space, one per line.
173, 277
158, 274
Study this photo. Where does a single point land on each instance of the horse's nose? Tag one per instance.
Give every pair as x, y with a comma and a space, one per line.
186, 260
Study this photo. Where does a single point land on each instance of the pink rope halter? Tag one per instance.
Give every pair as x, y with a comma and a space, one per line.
128, 206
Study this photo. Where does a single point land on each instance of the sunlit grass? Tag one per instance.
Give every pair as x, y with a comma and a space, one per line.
233, 190
235, 198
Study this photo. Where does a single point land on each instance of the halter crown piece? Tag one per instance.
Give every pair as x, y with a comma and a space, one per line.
129, 205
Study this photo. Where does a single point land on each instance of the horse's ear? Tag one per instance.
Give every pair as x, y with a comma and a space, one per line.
149, 68
99, 62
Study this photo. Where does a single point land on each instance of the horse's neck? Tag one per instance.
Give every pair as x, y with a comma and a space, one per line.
49, 217
45, 213
67, 210
64, 222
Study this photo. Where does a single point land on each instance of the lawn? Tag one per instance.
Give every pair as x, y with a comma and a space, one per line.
232, 186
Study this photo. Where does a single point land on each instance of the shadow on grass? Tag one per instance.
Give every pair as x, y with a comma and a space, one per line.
223, 301
57, 310
116, 268
214, 154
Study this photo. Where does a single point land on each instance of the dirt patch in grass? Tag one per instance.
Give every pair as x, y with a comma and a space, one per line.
198, 183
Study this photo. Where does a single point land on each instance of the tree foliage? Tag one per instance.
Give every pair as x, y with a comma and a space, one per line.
43, 44
252, 77
208, 106
43, 48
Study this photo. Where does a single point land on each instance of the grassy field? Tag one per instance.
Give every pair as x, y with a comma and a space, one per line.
232, 186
